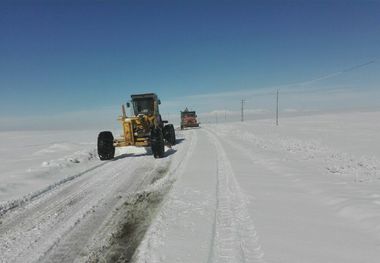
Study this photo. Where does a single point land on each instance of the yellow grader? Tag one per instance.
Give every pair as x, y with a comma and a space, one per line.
144, 129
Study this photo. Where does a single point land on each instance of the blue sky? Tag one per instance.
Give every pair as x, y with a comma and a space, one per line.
60, 57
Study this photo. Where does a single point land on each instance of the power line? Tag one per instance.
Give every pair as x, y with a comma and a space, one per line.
330, 75
359, 66
292, 89
307, 82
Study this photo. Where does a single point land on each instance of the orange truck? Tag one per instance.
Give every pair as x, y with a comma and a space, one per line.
188, 119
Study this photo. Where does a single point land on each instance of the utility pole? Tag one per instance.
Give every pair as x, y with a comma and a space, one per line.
242, 110
277, 110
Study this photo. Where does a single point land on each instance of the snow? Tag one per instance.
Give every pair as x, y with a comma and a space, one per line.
304, 191
33, 160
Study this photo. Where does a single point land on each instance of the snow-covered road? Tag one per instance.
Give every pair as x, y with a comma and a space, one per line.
87, 218
306, 191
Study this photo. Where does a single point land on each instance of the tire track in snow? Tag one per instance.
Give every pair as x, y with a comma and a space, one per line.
10, 205
48, 201
70, 246
235, 238
29, 232
342, 202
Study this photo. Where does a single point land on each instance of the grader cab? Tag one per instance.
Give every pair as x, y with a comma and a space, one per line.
144, 128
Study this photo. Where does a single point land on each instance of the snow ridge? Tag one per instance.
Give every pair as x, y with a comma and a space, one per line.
235, 238
358, 168
153, 237
9, 205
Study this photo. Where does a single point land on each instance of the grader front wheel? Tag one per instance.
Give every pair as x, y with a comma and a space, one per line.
106, 150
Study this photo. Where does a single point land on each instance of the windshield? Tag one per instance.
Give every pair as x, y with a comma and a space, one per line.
189, 114
143, 106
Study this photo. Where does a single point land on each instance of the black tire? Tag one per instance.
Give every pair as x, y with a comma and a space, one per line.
169, 134
157, 143
106, 150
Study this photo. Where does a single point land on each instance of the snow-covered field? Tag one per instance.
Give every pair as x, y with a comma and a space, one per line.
34, 160
305, 191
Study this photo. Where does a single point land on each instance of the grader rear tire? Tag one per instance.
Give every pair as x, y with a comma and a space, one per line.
157, 143
170, 134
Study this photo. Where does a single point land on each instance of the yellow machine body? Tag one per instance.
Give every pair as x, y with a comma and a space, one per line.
136, 131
